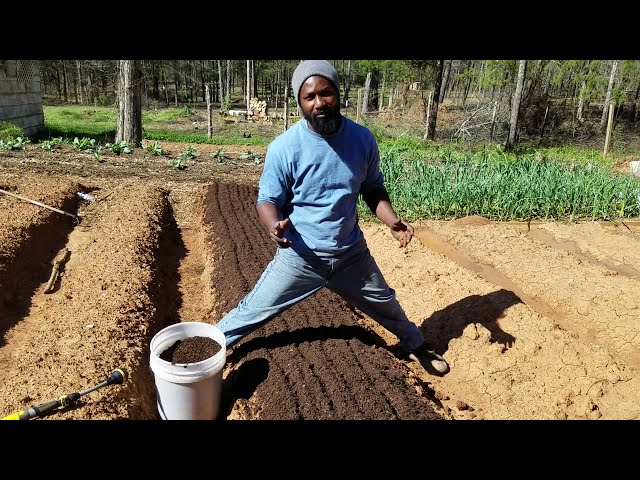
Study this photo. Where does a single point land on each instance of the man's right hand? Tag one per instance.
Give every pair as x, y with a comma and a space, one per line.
276, 232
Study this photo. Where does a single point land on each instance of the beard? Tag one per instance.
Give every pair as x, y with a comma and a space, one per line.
324, 126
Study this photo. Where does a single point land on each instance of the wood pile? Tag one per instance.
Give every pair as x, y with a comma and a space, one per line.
257, 109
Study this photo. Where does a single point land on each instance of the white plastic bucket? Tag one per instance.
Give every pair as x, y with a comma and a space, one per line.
188, 391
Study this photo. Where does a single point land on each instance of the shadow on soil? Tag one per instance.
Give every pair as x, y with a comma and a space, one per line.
449, 323
242, 383
305, 334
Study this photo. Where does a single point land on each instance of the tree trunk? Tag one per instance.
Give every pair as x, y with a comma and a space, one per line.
58, 85
365, 96
544, 122
166, 90
248, 92
286, 107
433, 114
528, 91
190, 80
547, 82
203, 82
493, 121
176, 81
79, 71
445, 83
156, 82
90, 96
581, 96
65, 82
515, 106
347, 83
228, 85
277, 82
381, 100
129, 104
634, 105
607, 140
207, 93
466, 86
254, 78
373, 90
428, 114
220, 85
579, 113
607, 99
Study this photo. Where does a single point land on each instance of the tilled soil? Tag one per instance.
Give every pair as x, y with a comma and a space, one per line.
537, 321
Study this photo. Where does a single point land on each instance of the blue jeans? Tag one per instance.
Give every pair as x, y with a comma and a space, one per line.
293, 276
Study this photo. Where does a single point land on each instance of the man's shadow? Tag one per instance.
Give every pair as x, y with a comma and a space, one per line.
441, 327
446, 324
438, 329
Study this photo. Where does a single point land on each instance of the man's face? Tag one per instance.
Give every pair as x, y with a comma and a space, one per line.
320, 105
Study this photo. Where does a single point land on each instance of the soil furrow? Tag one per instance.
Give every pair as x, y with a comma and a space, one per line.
30, 238
305, 322
108, 278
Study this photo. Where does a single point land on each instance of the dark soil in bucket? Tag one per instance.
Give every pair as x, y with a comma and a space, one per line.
191, 350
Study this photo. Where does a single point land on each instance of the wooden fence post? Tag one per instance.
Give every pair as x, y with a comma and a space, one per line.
209, 116
607, 140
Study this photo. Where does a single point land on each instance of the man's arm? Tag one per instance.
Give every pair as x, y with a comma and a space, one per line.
379, 203
270, 217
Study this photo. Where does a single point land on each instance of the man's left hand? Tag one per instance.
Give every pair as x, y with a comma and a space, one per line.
402, 231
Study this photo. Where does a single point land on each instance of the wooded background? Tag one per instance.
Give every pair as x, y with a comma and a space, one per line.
524, 97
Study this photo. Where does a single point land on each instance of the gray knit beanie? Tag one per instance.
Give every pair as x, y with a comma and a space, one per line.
309, 68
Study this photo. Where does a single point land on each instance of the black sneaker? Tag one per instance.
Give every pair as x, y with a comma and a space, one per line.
429, 360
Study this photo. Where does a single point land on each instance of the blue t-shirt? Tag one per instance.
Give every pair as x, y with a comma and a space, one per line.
315, 181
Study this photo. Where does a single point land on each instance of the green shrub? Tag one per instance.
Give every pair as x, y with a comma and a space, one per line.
9, 131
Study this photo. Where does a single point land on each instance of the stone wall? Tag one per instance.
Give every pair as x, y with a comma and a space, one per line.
21, 95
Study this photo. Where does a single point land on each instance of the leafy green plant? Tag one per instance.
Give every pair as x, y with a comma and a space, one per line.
84, 143
186, 110
96, 154
155, 148
249, 155
50, 144
119, 147
179, 163
17, 143
189, 153
220, 155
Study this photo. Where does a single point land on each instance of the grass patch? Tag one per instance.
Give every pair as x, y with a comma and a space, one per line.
100, 123
79, 121
237, 139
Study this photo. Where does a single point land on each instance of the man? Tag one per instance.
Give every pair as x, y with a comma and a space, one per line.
307, 201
